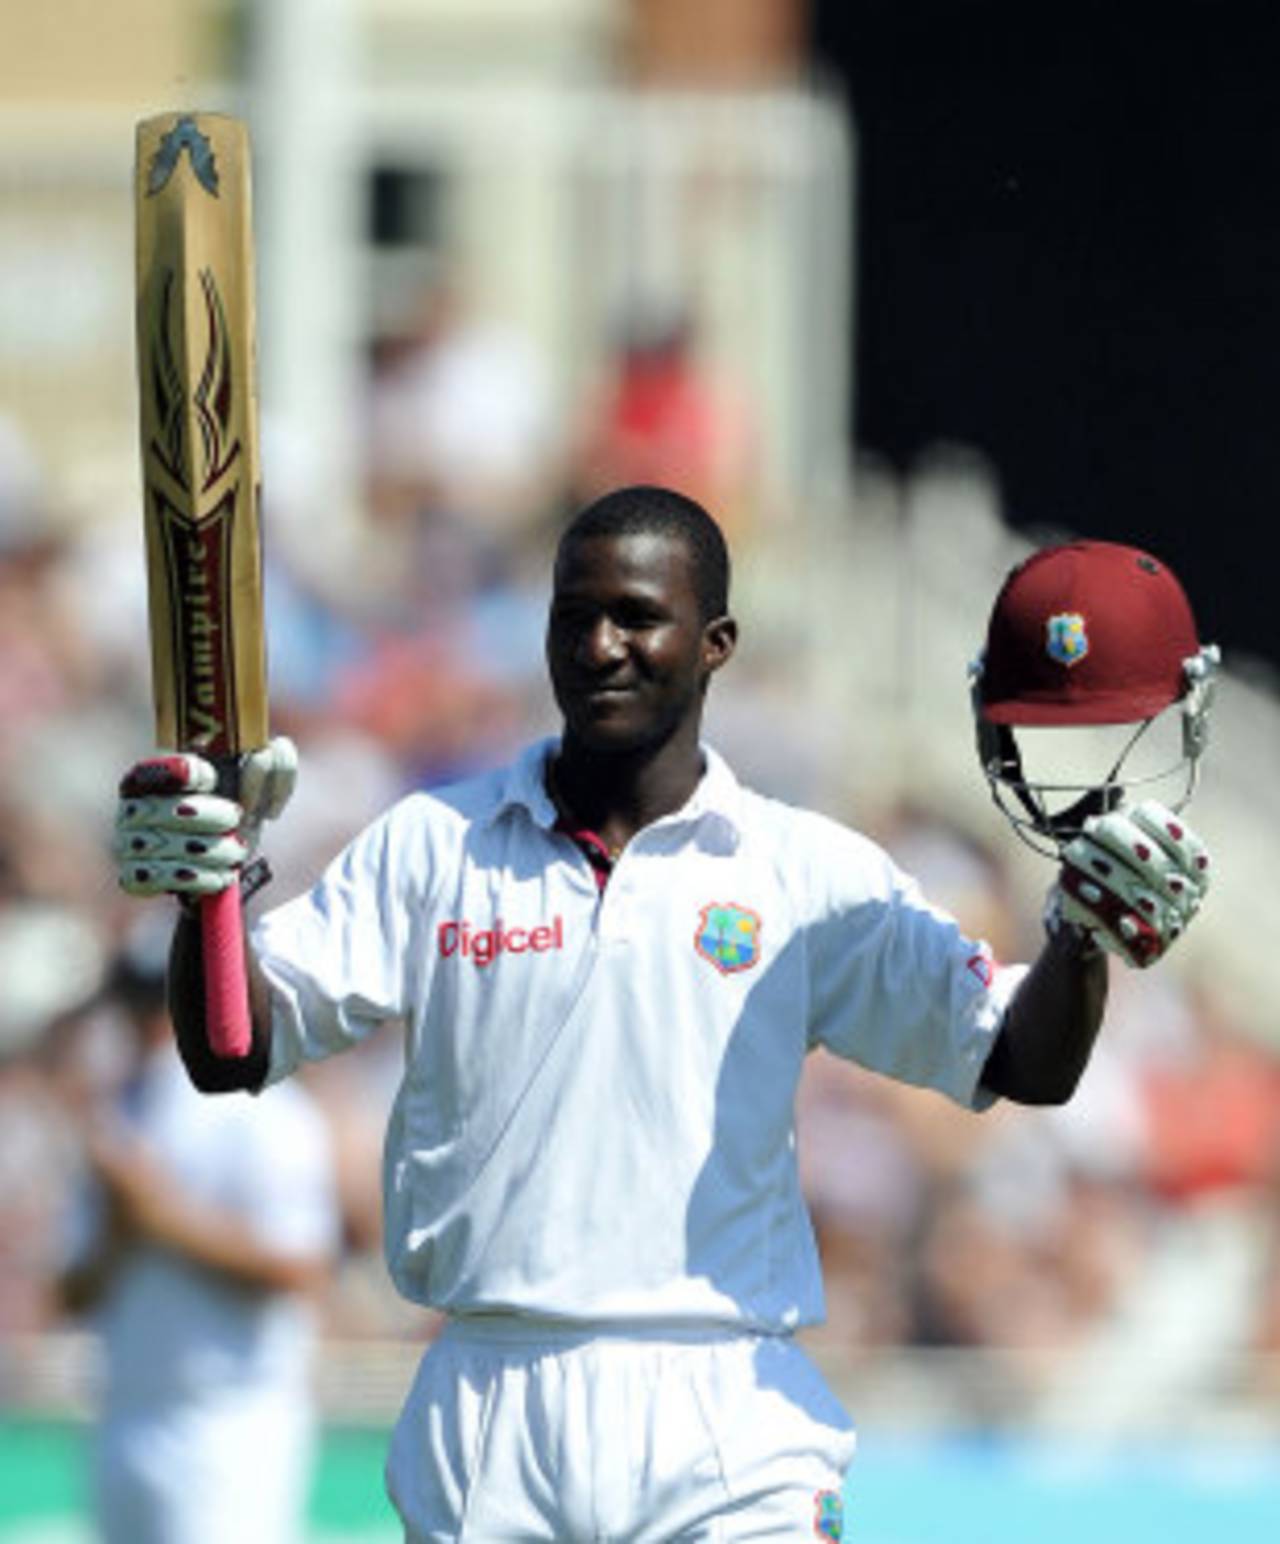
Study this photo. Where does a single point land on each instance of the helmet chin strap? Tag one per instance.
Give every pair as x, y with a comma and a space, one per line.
1002, 762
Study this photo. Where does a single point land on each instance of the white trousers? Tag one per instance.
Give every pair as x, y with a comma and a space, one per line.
515, 1430
234, 1467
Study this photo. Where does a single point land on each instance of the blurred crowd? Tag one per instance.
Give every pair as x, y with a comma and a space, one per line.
1132, 1236
1121, 1253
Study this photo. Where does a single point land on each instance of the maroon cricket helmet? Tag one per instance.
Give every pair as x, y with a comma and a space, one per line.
1089, 632
1086, 633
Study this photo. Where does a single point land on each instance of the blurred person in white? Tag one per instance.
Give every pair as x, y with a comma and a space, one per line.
202, 1230
462, 446
461, 413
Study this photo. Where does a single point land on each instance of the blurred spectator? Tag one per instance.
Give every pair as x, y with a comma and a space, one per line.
37, 1154
1265, 1337
45, 663
865, 1188
51, 957
21, 487
463, 446
662, 418
431, 701
1212, 1117
317, 611
203, 1229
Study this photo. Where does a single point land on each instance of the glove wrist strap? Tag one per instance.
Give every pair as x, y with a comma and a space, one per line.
1081, 941
252, 878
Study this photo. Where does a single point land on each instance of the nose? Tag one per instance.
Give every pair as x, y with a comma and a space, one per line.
601, 644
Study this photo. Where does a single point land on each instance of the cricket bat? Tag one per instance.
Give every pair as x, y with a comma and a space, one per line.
200, 473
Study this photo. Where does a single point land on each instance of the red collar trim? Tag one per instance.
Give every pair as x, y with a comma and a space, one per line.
593, 846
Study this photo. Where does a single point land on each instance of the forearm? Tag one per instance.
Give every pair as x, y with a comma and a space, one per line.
1050, 1026
213, 1074
223, 1244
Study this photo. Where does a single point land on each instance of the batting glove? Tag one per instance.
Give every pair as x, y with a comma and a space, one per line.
1132, 880
176, 835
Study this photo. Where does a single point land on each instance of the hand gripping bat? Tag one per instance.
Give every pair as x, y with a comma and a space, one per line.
200, 474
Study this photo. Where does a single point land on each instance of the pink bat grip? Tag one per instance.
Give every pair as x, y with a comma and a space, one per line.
226, 980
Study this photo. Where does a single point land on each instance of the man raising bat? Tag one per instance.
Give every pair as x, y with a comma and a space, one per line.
612, 960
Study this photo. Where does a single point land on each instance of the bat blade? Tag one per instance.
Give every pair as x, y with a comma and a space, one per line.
198, 419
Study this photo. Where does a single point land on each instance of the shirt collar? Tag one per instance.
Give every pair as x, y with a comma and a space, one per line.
717, 800
525, 785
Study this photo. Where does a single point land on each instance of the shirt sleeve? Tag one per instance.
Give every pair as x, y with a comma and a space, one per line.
895, 983
336, 958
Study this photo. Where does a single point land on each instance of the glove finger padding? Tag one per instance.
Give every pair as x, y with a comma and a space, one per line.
152, 860
174, 834
161, 877
167, 773
196, 812
1135, 879
267, 780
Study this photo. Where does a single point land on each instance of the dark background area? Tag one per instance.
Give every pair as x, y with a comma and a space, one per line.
1069, 257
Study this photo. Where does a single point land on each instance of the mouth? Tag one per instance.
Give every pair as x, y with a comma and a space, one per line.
607, 696
590, 687
602, 697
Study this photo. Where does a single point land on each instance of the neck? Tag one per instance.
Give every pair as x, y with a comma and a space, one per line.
616, 795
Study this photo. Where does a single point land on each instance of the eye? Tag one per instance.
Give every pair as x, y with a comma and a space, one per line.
636, 616
570, 618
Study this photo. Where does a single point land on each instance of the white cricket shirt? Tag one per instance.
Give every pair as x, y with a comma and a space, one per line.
596, 1116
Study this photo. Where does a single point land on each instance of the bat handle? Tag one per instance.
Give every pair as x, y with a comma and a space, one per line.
226, 980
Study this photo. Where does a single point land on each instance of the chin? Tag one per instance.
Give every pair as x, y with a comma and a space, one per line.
610, 733
607, 738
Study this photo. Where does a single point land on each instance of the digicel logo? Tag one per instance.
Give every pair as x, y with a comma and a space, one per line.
483, 945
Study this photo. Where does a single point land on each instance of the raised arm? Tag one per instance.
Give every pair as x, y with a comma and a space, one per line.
1051, 1025
214, 1074
1130, 885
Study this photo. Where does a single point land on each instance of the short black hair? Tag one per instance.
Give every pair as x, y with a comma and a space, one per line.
648, 510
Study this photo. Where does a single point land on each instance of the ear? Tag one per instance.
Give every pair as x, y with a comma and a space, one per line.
719, 639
